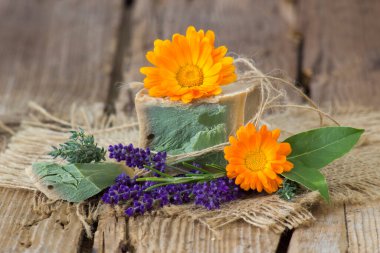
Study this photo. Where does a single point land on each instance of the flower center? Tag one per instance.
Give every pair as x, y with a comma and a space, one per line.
189, 76
255, 160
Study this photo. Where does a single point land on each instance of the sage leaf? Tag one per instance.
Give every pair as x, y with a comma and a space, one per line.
75, 182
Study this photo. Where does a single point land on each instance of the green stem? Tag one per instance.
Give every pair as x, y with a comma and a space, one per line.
191, 178
190, 166
157, 171
155, 186
176, 168
217, 167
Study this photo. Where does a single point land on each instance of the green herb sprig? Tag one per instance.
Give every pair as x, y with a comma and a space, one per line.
80, 148
288, 190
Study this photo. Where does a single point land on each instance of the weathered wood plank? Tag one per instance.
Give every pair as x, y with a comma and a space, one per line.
56, 53
342, 50
363, 227
327, 234
158, 234
24, 230
261, 30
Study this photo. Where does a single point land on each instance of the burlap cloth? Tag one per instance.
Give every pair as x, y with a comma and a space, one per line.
355, 178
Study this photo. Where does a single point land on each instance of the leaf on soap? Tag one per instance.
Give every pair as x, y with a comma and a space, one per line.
314, 149
76, 182
207, 138
318, 147
179, 130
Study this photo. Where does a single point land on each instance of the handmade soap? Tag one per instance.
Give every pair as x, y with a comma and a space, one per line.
182, 128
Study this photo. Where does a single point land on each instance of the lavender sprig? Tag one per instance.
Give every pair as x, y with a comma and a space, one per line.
139, 195
138, 157
134, 195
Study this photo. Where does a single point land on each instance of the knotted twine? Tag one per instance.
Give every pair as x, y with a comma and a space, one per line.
351, 179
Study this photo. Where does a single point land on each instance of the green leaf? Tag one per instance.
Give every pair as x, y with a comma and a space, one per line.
75, 182
314, 149
311, 178
318, 147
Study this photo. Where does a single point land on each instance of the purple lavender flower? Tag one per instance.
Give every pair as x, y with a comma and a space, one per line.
138, 201
128, 191
137, 157
213, 193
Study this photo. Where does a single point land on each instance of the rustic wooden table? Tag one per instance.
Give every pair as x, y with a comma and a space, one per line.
62, 52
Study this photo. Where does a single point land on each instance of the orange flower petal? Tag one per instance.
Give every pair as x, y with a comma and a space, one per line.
211, 36
285, 148
276, 134
270, 173
239, 179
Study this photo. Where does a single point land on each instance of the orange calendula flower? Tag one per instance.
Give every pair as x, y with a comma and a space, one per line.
188, 67
255, 158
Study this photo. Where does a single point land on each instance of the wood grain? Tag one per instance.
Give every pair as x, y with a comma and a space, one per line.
342, 51
326, 234
349, 228
55, 53
261, 30
111, 234
157, 234
363, 227
24, 230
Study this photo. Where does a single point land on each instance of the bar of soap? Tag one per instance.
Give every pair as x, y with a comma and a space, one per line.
179, 128
74, 182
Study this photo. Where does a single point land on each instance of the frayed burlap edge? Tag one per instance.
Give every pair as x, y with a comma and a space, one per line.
266, 212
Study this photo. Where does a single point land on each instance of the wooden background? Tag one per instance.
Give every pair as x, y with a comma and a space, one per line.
72, 51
